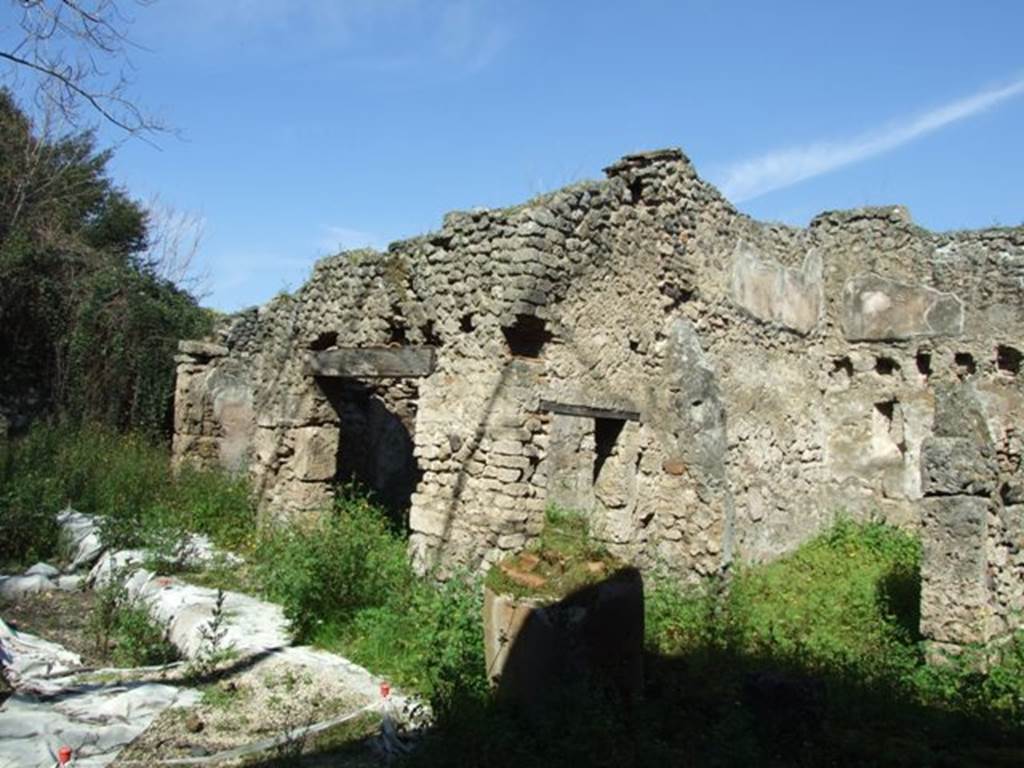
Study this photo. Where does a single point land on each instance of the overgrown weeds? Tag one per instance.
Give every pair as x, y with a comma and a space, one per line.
814, 659
346, 584
848, 600
811, 660
123, 631
125, 479
325, 571
29, 499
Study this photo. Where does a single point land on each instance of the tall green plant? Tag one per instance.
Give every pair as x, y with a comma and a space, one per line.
347, 560
30, 495
125, 479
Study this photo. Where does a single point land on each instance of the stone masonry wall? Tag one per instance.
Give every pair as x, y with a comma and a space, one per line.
779, 376
973, 565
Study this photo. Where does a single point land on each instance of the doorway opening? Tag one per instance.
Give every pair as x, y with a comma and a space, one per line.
375, 442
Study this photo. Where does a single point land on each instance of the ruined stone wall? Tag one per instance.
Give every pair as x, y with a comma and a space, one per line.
213, 413
973, 564
830, 414
778, 376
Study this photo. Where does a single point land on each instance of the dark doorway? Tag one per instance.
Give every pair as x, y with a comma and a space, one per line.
375, 444
606, 435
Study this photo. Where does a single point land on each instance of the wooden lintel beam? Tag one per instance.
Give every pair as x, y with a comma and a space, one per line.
588, 411
372, 362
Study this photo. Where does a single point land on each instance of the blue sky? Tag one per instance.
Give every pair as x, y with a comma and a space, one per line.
309, 125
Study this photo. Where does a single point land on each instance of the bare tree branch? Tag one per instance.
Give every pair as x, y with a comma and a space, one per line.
174, 240
68, 48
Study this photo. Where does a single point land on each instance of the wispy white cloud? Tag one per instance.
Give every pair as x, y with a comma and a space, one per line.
327, 19
386, 35
335, 239
782, 168
470, 33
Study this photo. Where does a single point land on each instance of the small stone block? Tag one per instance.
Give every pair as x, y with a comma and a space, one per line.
528, 580
674, 466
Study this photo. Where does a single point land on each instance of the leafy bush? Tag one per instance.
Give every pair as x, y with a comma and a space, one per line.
429, 639
88, 325
121, 343
138, 641
123, 631
30, 496
345, 560
346, 584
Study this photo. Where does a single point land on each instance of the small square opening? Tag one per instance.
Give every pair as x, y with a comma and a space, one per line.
527, 336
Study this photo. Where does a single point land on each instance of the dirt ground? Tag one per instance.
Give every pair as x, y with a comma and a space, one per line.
244, 700
245, 703
61, 617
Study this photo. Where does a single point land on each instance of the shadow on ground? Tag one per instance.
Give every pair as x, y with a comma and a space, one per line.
709, 707
717, 707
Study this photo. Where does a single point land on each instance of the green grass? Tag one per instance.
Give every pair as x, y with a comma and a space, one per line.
124, 478
835, 621
562, 555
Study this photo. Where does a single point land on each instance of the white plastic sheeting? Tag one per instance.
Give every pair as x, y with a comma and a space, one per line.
81, 537
25, 657
95, 721
51, 708
15, 588
250, 626
43, 569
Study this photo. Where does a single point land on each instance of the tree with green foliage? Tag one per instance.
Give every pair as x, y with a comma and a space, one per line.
87, 322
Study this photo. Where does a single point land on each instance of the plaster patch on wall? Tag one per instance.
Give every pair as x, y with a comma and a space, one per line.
878, 309
772, 293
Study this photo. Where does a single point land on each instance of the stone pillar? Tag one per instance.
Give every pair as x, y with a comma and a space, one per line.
535, 648
195, 437
959, 477
214, 418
